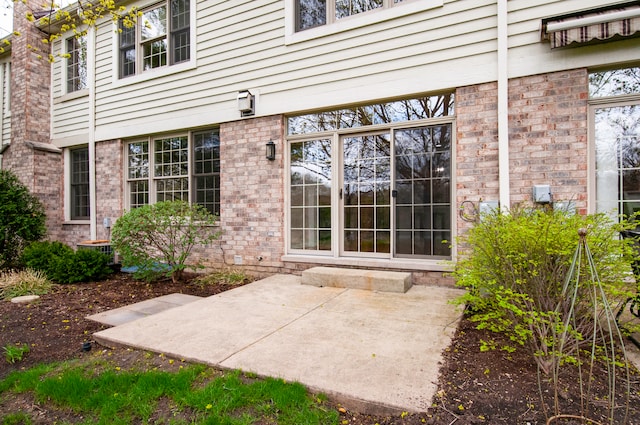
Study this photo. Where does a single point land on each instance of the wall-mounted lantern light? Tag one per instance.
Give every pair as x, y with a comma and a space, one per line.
271, 150
246, 103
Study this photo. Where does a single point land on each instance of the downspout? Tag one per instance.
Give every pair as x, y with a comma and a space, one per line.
91, 80
503, 106
3, 110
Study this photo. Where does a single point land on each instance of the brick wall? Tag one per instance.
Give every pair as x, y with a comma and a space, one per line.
36, 162
548, 136
476, 147
252, 197
109, 184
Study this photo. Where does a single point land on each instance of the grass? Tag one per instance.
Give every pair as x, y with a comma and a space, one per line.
15, 352
100, 393
227, 276
25, 282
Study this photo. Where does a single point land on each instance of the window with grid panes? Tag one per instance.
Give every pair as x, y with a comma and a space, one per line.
76, 64
314, 13
160, 37
183, 167
79, 187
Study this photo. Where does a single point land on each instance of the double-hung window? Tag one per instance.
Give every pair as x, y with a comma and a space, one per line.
76, 49
314, 13
182, 167
79, 184
160, 37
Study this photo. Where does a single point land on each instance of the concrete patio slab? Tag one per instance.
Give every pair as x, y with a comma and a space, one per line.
378, 352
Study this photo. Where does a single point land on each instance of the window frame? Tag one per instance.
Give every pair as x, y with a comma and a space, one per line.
147, 177
71, 185
406, 7
170, 36
333, 134
73, 62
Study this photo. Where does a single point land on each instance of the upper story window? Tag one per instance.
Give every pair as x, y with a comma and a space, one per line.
160, 37
76, 49
314, 13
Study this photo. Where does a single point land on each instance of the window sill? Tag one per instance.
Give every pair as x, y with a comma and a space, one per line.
71, 96
76, 222
399, 263
153, 74
357, 21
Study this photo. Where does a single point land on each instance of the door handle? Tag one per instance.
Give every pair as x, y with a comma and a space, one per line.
340, 193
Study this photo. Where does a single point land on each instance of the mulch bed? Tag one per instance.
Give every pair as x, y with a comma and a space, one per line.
475, 387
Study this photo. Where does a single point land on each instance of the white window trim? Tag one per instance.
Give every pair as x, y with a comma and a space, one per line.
67, 188
190, 176
351, 22
158, 72
68, 95
333, 256
596, 103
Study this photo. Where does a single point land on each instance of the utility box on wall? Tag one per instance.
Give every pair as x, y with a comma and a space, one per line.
542, 194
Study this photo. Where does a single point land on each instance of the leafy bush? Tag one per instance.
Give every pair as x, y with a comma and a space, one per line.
25, 282
158, 239
22, 219
62, 264
516, 267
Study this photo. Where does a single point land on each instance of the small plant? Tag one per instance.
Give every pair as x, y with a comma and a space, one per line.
158, 239
62, 264
231, 277
25, 282
515, 269
15, 352
22, 219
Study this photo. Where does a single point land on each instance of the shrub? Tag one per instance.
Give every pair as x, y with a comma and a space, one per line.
25, 282
22, 219
516, 267
158, 239
62, 264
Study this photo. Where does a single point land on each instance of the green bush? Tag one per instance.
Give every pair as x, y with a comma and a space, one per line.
22, 219
62, 264
158, 239
516, 265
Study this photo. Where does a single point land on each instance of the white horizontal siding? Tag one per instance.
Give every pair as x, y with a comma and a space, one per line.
241, 45
70, 118
528, 55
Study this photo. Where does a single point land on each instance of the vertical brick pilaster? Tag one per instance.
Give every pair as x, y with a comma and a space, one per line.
251, 194
548, 136
476, 146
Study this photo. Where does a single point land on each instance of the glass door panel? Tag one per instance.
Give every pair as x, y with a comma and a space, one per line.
617, 141
365, 194
423, 191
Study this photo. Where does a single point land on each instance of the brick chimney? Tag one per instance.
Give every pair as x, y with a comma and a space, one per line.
31, 156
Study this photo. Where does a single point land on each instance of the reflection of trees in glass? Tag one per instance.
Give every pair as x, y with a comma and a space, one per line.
618, 154
382, 113
346, 8
614, 82
154, 23
310, 13
138, 156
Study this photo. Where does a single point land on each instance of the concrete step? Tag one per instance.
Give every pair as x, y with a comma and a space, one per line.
373, 280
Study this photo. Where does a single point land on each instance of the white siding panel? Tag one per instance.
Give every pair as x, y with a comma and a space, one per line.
528, 55
241, 46
70, 118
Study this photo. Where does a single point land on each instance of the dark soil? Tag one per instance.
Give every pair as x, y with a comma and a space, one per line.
475, 387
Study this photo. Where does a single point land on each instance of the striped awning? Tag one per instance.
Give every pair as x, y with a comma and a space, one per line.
593, 26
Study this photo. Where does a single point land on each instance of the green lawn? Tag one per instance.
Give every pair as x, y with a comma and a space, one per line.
99, 392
